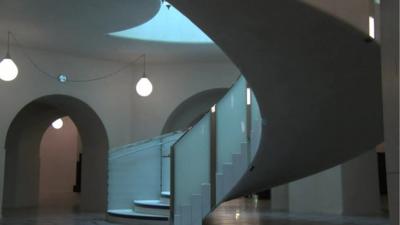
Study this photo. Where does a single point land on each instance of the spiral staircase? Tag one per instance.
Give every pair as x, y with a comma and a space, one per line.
315, 102
198, 166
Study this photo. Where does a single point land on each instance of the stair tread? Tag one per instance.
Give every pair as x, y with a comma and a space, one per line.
165, 194
152, 203
133, 214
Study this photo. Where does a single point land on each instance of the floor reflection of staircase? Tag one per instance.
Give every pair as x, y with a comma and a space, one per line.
144, 211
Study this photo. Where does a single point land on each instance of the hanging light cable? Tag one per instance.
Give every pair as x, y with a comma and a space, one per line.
144, 86
8, 69
63, 78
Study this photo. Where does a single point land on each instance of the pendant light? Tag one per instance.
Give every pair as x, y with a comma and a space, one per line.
144, 86
8, 69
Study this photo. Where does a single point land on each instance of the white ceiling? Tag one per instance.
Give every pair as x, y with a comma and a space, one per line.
80, 27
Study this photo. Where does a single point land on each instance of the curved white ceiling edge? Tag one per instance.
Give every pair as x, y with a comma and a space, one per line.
169, 26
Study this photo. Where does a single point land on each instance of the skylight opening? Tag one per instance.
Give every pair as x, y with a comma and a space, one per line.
168, 25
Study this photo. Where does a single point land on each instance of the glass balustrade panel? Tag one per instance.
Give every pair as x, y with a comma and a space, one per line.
256, 126
231, 123
135, 170
192, 162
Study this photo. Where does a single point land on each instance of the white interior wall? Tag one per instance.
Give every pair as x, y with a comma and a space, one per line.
171, 87
127, 117
360, 184
280, 198
124, 136
355, 13
59, 151
317, 193
390, 88
351, 188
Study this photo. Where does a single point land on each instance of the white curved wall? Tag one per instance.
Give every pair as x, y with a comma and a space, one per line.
317, 80
353, 12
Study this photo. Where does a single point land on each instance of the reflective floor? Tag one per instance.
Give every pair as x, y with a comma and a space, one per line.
240, 211
251, 212
51, 217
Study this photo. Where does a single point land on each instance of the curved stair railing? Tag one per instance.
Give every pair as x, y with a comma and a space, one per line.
210, 158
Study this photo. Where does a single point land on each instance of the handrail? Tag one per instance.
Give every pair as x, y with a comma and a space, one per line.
145, 141
205, 113
139, 146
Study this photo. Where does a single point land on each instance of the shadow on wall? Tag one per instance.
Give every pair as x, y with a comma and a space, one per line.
192, 109
21, 182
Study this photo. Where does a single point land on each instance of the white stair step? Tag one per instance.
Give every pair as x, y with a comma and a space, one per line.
237, 166
196, 217
152, 203
129, 213
177, 219
166, 194
245, 150
245, 154
186, 214
255, 137
205, 199
165, 197
165, 200
155, 207
228, 177
219, 177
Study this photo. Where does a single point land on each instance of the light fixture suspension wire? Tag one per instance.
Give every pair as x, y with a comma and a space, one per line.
144, 65
8, 44
49, 75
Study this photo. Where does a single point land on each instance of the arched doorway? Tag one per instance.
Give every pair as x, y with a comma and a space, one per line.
192, 109
60, 170
22, 167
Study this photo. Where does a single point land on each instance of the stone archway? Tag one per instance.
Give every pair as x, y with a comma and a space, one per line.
21, 182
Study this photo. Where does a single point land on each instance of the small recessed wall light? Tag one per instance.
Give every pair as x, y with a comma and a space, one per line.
213, 109
248, 96
57, 124
372, 27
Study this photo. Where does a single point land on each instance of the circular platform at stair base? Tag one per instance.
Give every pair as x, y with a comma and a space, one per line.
152, 207
128, 216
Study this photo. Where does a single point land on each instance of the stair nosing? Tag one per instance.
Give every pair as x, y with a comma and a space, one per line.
151, 205
138, 216
165, 195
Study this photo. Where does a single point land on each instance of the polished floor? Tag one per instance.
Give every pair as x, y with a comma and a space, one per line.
237, 212
245, 211
51, 217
